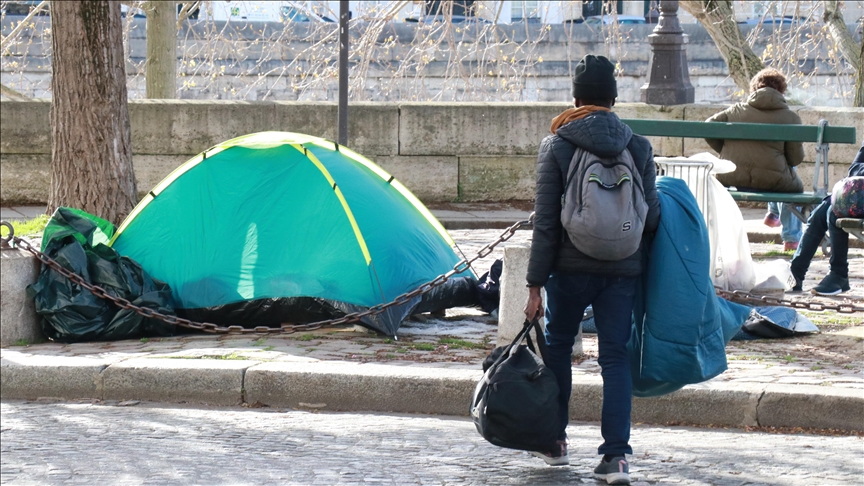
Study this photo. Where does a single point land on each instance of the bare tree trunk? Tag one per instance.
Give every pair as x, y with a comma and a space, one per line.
91, 153
718, 19
161, 67
859, 81
833, 18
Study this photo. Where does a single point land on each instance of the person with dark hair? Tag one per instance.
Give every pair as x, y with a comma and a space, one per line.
764, 166
823, 219
573, 280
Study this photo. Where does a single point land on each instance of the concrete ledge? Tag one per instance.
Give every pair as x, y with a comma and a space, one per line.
495, 144
474, 128
434, 178
206, 381
18, 318
703, 404
364, 387
497, 178
586, 401
404, 389
29, 377
820, 407
694, 405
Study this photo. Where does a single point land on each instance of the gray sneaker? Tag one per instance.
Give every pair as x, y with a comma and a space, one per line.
832, 284
615, 471
555, 458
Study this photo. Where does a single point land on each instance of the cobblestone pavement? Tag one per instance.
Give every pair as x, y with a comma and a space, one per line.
77, 443
462, 339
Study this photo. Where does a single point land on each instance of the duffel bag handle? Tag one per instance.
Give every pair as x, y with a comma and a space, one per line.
541, 340
524, 334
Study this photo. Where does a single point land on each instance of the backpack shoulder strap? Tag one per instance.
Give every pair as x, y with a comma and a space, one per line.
574, 165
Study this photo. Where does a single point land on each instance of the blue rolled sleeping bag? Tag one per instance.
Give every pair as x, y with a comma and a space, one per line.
681, 327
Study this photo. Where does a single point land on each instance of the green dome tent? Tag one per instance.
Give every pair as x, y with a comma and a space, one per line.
279, 227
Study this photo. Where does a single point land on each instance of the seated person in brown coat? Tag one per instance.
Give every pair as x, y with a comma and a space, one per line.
764, 166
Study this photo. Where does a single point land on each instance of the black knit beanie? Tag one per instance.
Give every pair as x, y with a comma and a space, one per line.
594, 79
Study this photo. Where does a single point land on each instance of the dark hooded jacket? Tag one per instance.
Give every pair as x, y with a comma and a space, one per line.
857, 167
766, 166
604, 135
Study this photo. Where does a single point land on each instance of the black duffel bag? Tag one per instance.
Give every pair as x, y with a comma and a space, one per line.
515, 405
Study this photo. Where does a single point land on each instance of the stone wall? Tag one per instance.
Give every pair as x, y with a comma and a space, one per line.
250, 61
440, 151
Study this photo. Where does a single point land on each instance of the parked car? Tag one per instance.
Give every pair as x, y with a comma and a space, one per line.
456, 19
22, 7
262, 11
787, 20
294, 13
136, 12
611, 19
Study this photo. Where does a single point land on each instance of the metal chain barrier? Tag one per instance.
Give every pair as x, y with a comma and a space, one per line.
122, 303
461, 266
748, 298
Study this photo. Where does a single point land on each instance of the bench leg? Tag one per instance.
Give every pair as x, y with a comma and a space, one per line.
801, 215
857, 233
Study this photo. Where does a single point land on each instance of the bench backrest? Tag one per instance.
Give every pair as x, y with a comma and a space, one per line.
741, 131
819, 134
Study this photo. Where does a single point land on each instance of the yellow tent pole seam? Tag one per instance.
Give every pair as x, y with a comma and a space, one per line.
182, 169
419, 206
357, 234
138, 208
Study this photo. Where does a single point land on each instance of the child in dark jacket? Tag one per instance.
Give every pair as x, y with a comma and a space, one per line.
822, 219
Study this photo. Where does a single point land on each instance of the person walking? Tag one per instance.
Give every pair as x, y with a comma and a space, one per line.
764, 166
573, 280
823, 219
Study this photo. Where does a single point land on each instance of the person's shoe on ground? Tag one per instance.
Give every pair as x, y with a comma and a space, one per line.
555, 458
798, 285
614, 469
771, 220
832, 284
790, 245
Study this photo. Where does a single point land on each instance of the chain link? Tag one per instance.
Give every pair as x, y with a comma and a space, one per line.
748, 298
461, 266
208, 327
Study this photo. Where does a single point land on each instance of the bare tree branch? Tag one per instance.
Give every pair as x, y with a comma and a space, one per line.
833, 18
718, 18
851, 51
483, 59
185, 11
6, 40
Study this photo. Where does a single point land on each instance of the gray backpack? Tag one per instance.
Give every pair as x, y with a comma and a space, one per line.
603, 206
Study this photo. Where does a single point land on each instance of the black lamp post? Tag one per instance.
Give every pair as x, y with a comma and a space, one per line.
668, 80
344, 16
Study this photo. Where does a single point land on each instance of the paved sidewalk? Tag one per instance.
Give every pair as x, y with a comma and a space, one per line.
132, 444
813, 381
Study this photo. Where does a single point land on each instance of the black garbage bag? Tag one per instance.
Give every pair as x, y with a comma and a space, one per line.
70, 313
774, 323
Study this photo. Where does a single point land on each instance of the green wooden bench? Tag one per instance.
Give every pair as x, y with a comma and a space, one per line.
821, 134
853, 226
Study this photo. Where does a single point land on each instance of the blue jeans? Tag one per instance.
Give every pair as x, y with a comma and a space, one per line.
822, 219
791, 230
567, 297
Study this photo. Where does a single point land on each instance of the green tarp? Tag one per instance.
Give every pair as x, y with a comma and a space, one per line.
70, 313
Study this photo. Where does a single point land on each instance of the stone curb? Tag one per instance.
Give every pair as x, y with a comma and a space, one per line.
205, 381
372, 387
